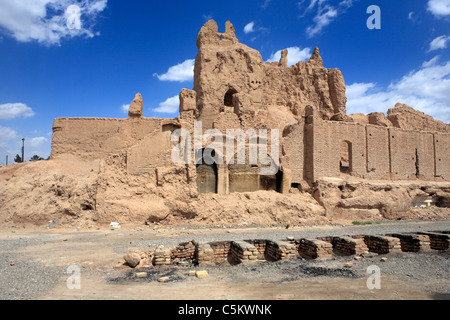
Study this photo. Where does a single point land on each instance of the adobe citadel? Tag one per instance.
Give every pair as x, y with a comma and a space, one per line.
332, 165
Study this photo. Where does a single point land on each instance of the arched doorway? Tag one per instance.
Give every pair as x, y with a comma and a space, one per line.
206, 171
228, 99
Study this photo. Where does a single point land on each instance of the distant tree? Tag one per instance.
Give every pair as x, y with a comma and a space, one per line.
18, 159
36, 158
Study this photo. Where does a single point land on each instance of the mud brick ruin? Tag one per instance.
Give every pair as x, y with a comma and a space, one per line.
329, 164
235, 89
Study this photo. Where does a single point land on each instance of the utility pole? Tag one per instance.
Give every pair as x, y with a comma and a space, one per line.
6, 159
23, 150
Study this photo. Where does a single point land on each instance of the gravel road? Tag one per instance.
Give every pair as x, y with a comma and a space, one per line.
33, 263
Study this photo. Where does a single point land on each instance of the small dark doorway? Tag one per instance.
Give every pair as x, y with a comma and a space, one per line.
345, 164
206, 171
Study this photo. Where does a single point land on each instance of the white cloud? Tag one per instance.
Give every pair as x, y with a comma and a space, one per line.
181, 72
124, 108
249, 27
426, 89
346, 3
410, 15
295, 54
439, 43
11, 144
171, 105
207, 17
48, 21
439, 8
7, 134
325, 13
36, 142
323, 18
431, 62
15, 110
265, 4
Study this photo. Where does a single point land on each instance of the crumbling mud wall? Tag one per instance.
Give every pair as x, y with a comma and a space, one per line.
336, 149
365, 200
231, 78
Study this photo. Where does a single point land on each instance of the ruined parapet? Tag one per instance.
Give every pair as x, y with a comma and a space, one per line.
404, 117
209, 35
283, 60
136, 107
316, 59
188, 107
230, 77
187, 100
379, 119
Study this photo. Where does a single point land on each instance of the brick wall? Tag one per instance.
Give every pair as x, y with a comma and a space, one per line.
378, 152
442, 145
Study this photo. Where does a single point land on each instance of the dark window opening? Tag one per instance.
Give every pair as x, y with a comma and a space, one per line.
228, 100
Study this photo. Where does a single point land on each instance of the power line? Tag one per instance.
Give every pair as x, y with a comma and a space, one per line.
1, 148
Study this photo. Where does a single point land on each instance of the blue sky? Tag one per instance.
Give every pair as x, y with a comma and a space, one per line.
88, 58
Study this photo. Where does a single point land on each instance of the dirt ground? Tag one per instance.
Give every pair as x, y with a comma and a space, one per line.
418, 276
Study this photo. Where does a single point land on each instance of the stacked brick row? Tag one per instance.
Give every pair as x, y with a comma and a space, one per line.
348, 246
320, 249
260, 245
243, 252
279, 250
438, 241
382, 244
413, 242
221, 249
162, 257
314, 249
185, 251
205, 254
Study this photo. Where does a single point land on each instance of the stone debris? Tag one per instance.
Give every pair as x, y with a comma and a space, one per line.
141, 275
163, 279
132, 259
201, 274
